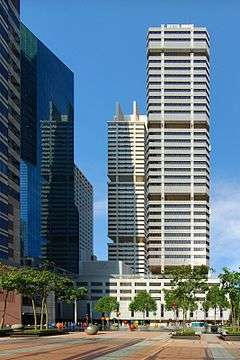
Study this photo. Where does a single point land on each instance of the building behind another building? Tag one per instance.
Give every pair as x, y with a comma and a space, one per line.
126, 189
84, 202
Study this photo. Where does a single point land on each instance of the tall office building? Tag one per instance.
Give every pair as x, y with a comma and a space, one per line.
126, 189
10, 130
49, 217
177, 146
84, 203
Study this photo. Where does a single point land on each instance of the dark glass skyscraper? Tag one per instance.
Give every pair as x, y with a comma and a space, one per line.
9, 130
49, 218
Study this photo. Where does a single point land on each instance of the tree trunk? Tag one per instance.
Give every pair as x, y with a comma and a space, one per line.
215, 315
34, 314
4, 310
103, 323
108, 322
238, 314
42, 313
233, 315
175, 315
46, 312
184, 315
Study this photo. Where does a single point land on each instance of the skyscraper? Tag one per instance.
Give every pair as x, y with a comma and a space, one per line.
49, 217
84, 203
10, 130
126, 189
177, 146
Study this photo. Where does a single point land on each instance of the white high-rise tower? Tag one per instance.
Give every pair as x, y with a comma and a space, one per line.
126, 135
177, 146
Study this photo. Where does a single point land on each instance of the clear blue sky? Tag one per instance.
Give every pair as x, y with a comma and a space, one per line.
103, 42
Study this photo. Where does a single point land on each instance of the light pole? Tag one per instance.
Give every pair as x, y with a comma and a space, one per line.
75, 311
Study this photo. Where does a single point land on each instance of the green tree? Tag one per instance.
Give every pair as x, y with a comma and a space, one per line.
230, 282
216, 298
143, 302
51, 282
9, 279
73, 295
172, 302
106, 305
186, 283
28, 286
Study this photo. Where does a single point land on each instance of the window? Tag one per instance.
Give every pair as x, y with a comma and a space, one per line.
3, 167
177, 39
4, 240
3, 71
154, 291
154, 284
3, 224
177, 256
125, 284
178, 249
176, 32
112, 291
3, 110
177, 241
140, 284
177, 234
96, 284
111, 284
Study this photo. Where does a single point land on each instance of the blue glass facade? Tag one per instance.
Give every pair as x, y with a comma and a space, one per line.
49, 218
30, 210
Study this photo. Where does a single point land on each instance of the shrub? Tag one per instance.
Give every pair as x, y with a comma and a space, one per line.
185, 332
232, 330
45, 332
5, 332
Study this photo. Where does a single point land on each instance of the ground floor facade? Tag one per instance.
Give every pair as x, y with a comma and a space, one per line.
125, 287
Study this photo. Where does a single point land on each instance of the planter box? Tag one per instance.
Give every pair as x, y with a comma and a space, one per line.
186, 337
4, 333
25, 334
230, 337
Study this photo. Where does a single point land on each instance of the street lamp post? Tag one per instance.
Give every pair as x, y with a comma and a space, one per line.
75, 311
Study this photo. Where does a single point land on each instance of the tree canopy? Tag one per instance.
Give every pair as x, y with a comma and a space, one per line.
107, 304
37, 282
186, 283
230, 282
143, 302
216, 298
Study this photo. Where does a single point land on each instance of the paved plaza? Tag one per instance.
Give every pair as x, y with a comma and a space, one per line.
118, 345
